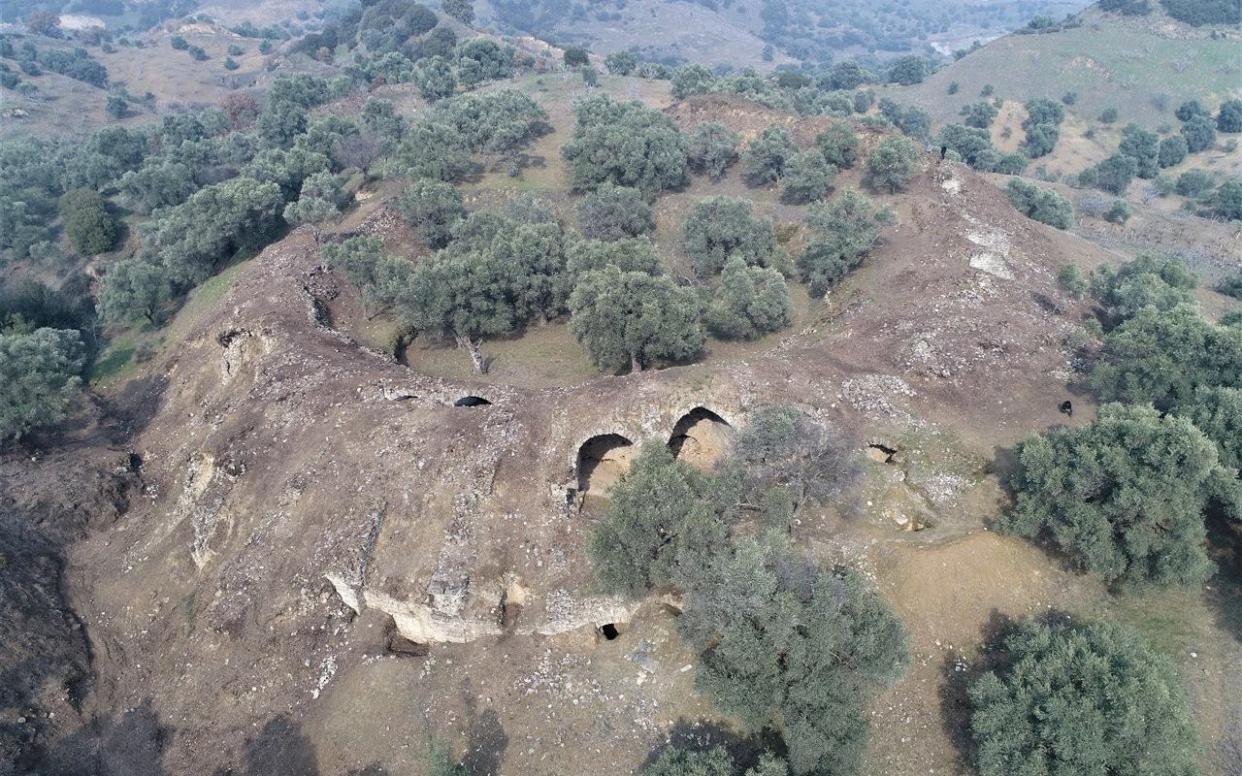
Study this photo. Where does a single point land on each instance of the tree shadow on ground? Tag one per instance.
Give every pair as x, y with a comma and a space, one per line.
131, 744
1224, 591
486, 740
958, 675
701, 735
280, 749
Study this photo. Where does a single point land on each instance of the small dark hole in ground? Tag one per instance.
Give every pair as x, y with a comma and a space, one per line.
609, 631
471, 401
881, 453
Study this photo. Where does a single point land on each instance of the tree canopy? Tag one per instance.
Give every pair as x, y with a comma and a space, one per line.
721, 227
614, 213
1123, 497
38, 379
1075, 699
842, 232
632, 319
750, 302
891, 166
627, 144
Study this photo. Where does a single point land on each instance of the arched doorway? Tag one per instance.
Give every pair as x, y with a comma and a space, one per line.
700, 438
602, 460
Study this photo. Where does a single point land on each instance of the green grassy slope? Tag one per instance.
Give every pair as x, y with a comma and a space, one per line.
1144, 70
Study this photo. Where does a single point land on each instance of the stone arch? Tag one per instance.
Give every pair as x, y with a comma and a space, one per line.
602, 460
700, 438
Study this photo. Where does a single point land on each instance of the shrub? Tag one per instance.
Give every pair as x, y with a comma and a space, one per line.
38, 379
1071, 280
1123, 498
1192, 183
891, 166
633, 319
954, 86
979, 114
1070, 698
1172, 151
461, 10
1200, 134
88, 224
1112, 175
1143, 147
751, 302
1043, 205
785, 456
1109, 116
614, 212
1229, 119
627, 144
1161, 357
635, 547
1119, 213
839, 145
808, 177
179, 43
721, 227
433, 208
589, 76
765, 158
1227, 202
842, 232
716, 761
712, 147
1200, 12
1231, 286
788, 646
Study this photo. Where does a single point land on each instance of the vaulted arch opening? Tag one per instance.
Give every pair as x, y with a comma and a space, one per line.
602, 461
700, 438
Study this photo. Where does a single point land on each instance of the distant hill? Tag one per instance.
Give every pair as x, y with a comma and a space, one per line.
736, 32
1143, 66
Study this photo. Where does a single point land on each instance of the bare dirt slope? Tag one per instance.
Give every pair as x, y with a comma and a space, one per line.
330, 560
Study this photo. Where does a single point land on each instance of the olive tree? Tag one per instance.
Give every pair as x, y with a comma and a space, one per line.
808, 177
634, 319
635, 254
842, 232
721, 227
380, 279
89, 225
1071, 698
38, 379
1160, 357
1123, 497
712, 149
1043, 205
787, 646
1150, 280
751, 302
134, 287
891, 166
766, 156
839, 144
432, 208
657, 507
625, 143
614, 213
